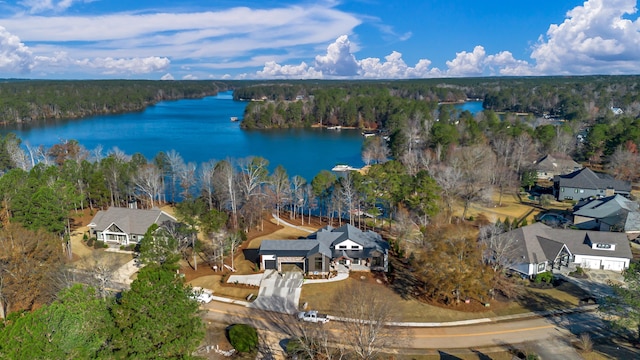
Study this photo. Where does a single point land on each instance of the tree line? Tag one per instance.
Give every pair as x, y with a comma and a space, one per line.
45, 100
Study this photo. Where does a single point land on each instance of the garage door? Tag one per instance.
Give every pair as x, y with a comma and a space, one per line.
591, 263
613, 265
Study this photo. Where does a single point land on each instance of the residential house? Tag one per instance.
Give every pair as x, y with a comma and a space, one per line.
326, 249
538, 248
585, 183
549, 166
125, 226
612, 213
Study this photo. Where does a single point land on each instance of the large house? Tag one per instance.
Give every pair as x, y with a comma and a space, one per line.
549, 166
584, 184
327, 248
613, 213
125, 226
538, 248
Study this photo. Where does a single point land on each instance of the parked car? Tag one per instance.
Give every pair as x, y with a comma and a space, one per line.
203, 296
313, 316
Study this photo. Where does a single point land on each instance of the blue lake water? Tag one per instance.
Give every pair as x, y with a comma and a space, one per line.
471, 106
201, 130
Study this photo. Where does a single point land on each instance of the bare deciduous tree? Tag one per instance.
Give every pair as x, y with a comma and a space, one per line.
148, 181
205, 177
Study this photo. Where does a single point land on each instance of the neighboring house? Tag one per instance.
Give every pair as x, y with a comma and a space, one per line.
125, 226
538, 248
617, 111
613, 213
550, 166
584, 184
324, 249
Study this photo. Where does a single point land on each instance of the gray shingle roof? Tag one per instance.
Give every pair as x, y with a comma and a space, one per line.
538, 242
585, 178
130, 221
601, 208
557, 163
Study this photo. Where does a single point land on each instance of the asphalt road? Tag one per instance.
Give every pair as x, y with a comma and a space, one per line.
551, 332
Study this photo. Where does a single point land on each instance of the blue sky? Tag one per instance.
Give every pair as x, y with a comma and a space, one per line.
359, 39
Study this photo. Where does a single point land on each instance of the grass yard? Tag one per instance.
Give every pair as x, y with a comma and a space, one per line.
563, 296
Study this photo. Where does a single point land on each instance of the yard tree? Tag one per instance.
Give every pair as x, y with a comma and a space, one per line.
349, 195
298, 184
500, 253
423, 198
158, 247
29, 260
157, 318
624, 305
322, 185
253, 174
280, 189
174, 162
148, 182
226, 184
205, 179
76, 326
366, 336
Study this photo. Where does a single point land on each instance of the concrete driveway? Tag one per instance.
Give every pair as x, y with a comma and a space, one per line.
279, 292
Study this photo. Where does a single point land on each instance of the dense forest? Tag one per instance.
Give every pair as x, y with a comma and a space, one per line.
24, 101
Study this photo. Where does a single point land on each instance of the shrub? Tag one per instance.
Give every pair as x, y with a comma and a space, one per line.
85, 237
100, 245
90, 242
545, 277
585, 343
294, 347
243, 338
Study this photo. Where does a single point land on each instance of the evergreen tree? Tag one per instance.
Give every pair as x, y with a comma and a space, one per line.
157, 318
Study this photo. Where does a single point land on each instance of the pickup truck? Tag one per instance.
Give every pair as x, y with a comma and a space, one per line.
313, 316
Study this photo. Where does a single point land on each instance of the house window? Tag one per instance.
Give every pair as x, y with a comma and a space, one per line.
318, 263
542, 267
356, 261
581, 191
342, 246
376, 261
355, 247
561, 189
575, 191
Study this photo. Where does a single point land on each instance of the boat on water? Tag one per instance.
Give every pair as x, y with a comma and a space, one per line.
234, 118
337, 127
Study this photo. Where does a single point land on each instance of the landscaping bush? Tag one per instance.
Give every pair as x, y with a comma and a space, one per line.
243, 338
545, 277
100, 245
90, 242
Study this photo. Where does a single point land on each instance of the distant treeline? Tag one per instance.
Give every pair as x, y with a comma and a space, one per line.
34, 100
373, 104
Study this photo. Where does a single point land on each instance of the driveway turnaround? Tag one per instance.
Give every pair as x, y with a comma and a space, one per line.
279, 292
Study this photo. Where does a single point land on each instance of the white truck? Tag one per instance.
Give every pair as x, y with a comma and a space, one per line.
313, 316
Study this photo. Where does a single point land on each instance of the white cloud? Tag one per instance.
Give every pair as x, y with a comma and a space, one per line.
14, 55
189, 77
167, 76
339, 61
38, 6
126, 66
467, 64
597, 37
394, 67
272, 70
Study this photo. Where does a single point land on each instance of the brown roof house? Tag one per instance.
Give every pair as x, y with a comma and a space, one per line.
550, 166
538, 248
125, 226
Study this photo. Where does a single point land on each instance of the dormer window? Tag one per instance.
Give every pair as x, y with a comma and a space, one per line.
603, 246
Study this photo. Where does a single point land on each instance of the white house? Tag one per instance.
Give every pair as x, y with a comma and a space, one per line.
538, 248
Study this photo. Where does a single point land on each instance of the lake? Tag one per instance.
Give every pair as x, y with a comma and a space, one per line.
471, 106
201, 130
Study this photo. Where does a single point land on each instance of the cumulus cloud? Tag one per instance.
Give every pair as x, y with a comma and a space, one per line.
167, 76
597, 37
189, 77
272, 70
14, 55
126, 66
339, 61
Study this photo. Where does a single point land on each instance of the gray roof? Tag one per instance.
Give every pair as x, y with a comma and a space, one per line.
612, 210
324, 240
130, 221
293, 248
538, 242
585, 178
561, 163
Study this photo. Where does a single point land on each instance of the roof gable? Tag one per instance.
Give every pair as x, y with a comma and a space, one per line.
130, 221
585, 178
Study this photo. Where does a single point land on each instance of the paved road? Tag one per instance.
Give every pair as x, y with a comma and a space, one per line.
548, 331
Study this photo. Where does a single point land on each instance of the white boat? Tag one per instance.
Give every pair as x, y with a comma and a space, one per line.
234, 118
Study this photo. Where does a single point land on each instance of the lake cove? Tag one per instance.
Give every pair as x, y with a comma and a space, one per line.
201, 130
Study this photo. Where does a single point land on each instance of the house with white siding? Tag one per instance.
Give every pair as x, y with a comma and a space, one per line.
538, 248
